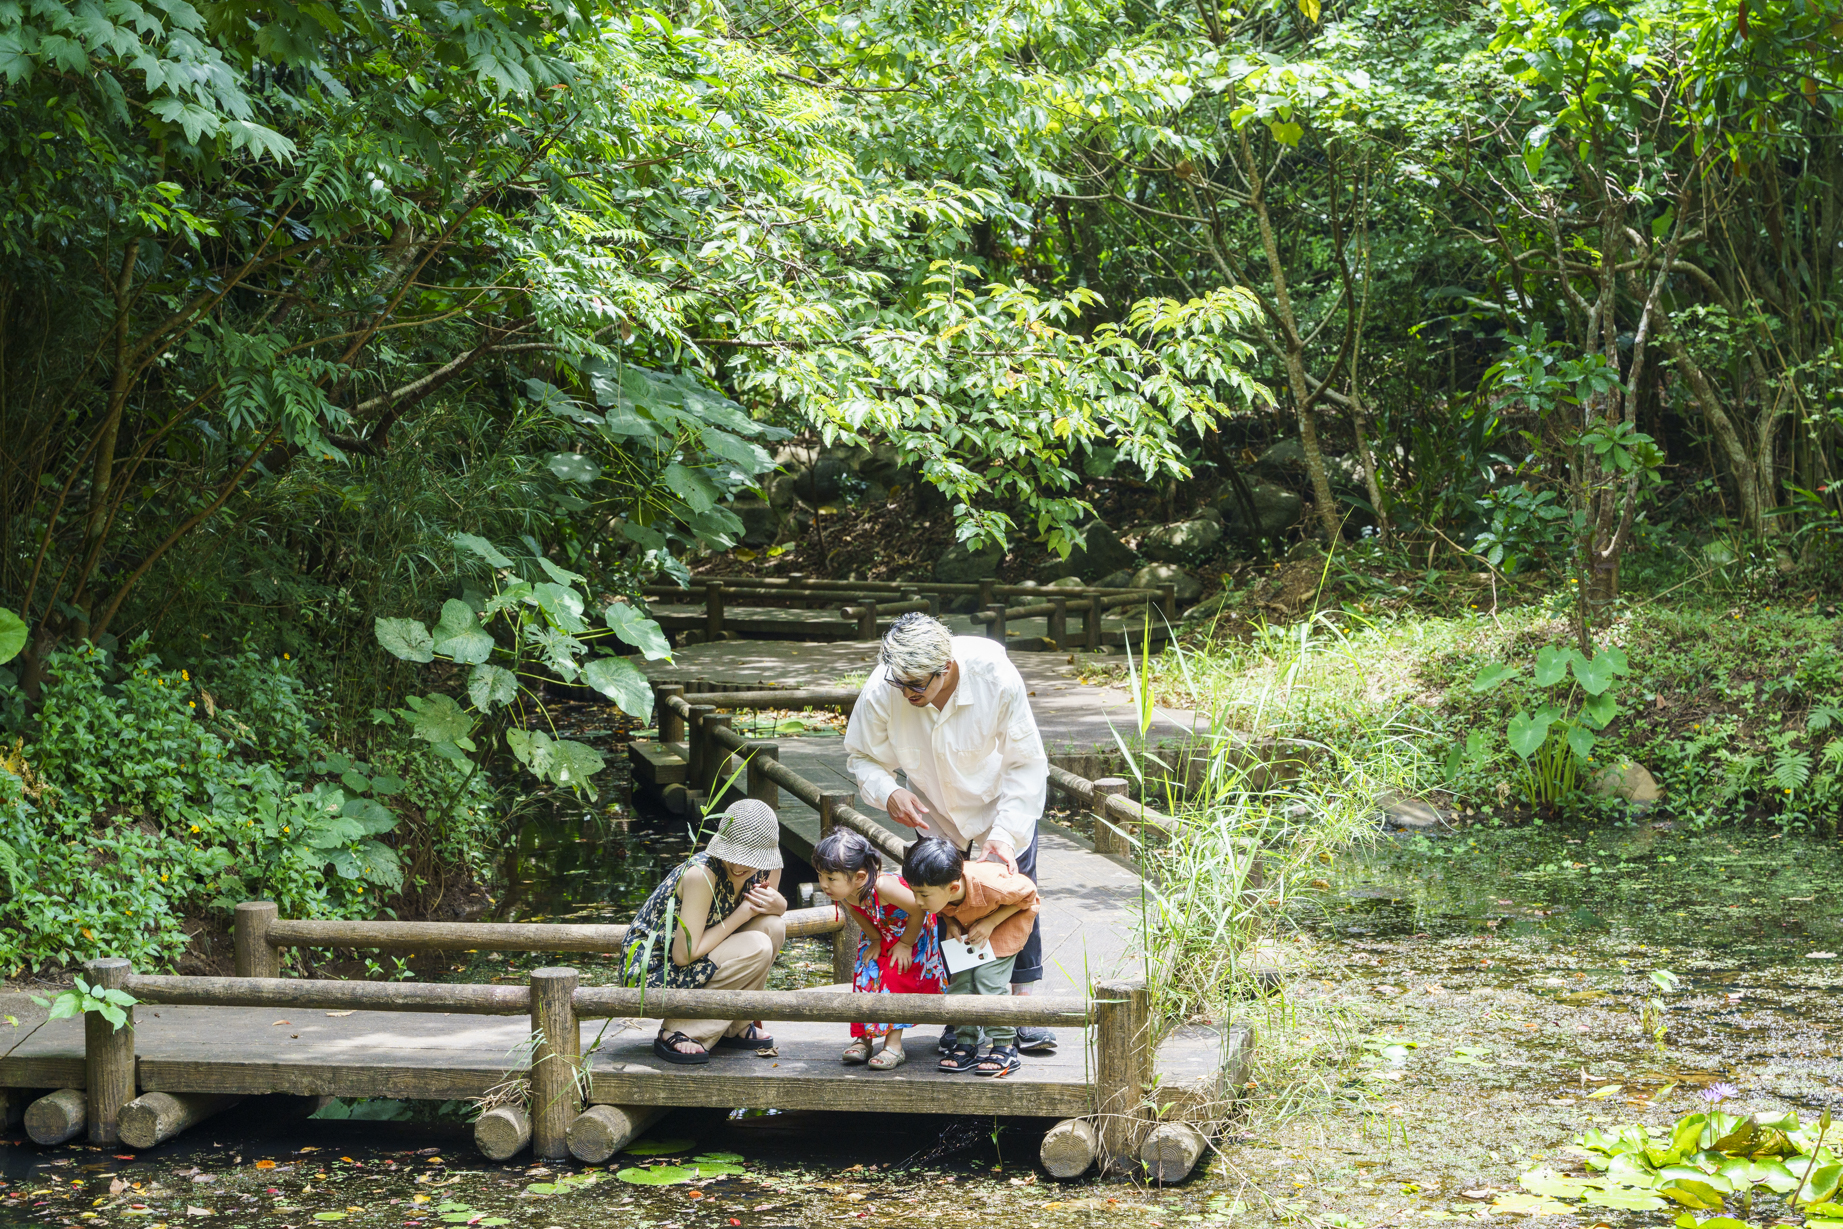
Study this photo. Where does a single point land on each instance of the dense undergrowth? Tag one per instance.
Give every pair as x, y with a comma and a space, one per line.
141, 802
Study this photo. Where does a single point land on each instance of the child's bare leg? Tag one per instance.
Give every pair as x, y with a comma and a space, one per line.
892, 1041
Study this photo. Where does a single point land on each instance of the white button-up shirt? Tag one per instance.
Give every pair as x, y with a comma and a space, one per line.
977, 763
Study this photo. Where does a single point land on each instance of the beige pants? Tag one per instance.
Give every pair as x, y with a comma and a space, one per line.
742, 961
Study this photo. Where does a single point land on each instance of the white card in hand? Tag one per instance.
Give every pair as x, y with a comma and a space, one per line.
960, 957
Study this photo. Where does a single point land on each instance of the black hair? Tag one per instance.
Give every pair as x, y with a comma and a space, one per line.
932, 863
844, 852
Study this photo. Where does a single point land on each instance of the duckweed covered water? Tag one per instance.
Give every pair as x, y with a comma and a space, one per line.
1472, 999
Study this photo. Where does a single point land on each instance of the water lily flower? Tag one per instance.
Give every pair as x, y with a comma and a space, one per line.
1719, 1092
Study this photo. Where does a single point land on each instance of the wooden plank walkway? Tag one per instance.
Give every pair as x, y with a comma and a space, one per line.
435, 1056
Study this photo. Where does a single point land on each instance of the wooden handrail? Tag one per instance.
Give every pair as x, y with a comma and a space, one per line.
458, 998
830, 1007
819, 587
812, 697
485, 936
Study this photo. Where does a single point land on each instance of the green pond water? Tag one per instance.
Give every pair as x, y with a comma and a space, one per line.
1452, 1005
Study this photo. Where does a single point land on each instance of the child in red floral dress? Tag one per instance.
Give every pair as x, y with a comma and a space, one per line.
899, 951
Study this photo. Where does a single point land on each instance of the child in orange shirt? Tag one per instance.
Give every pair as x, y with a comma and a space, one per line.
979, 902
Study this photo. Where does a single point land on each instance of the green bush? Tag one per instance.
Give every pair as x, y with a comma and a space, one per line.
133, 800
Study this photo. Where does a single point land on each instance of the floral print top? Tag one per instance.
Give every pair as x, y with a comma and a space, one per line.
646, 956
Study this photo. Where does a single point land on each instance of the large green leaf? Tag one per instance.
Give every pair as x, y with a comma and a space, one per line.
1492, 675
562, 576
573, 467
491, 686
1552, 664
1581, 741
1691, 1193
562, 604
1527, 734
373, 818
691, 486
1596, 711
555, 760
460, 636
657, 1175
481, 547
632, 627
1597, 673
12, 635
405, 639
438, 719
621, 681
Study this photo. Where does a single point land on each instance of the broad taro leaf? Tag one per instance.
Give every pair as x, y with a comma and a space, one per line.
691, 486
1527, 734
405, 639
1581, 741
490, 686
460, 636
1595, 674
562, 604
438, 719
12, 634
378, 863
632, 627
562, 576
572, 764
716, 527
525, 744
1492, 675
481, 547
621, 681
751, 459
1596, 711
560, 651
1552, 664
573, 467
372, 817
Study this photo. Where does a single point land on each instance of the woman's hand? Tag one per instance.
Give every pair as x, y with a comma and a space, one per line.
902, 956
768, 902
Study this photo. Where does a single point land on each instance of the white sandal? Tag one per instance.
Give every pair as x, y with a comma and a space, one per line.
857, 1053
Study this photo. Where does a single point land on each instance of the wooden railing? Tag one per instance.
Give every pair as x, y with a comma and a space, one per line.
556, 1003
881, 598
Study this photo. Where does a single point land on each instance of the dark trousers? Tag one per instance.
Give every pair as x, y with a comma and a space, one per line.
1029, 966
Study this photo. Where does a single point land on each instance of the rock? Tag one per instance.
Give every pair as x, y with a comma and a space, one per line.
960, 566
760, 522
823, 480
1181, 540
1408, 815
1630, 781
1115, 580
1276, 510
1283, 460
1101, 553
1189, 588
781, 490
1066, 582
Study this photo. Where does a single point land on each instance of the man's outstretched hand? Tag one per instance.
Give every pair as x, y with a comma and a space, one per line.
1000, 851
906, 809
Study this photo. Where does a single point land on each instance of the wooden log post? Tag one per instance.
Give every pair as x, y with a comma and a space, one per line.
1058, 621
713, 611
603, 1130
670, 725
1121, 1066
996, 628
716, 757
867, 621
1069, 1148
761, 787
845, 938
695, 747
986, 593
554, 1103
1171, 1151
1091, 624
155, 1117
255, 958
1167, 598
1108, 836
501, 1134
108, 1055
56, 1117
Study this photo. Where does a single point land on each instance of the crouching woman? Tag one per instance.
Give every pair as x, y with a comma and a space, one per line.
714, 923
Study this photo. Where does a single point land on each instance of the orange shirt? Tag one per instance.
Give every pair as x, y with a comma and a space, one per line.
989, 888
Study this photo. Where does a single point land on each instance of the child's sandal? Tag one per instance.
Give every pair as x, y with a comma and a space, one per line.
887, 1059
999, 1060
961, 1058
857, 1053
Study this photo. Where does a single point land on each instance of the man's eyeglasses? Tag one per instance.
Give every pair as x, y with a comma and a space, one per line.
917, 688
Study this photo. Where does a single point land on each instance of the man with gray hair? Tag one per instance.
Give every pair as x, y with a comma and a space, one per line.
967, 745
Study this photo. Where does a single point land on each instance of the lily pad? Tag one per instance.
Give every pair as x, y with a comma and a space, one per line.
1542, 1181
658, 1147
718, 1158
1626, 1199
1530, 1205
1691, 1193
717, 1169
329, 1215
658, 1175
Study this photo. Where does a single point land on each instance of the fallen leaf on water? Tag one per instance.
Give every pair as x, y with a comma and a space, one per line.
278, 1024
1605, 1091
1483, 1192
337, 1014
200, 1212
265, 1164
117, 1186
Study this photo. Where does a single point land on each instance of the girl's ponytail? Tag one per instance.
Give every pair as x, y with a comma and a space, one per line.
844, 852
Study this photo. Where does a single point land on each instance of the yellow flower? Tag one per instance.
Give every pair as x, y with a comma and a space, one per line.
195, 827
191, 704
284, 657
163, 879
186, 675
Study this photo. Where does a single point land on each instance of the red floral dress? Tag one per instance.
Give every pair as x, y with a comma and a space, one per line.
876, 972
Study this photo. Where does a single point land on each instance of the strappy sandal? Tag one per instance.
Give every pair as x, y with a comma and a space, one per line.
999, 1060
667, 1048
888, 1060
751, 1038
858, 1052
961, 1058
